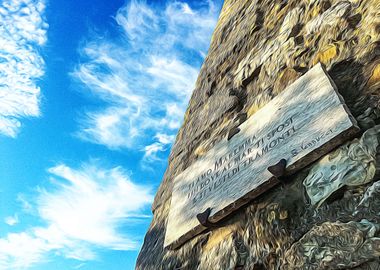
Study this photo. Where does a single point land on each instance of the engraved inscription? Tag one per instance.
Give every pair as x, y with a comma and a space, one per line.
236, 161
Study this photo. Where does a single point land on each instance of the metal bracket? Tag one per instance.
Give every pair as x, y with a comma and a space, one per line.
233, 132
278, 170
203, 219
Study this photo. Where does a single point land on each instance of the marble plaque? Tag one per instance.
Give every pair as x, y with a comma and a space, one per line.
304, 122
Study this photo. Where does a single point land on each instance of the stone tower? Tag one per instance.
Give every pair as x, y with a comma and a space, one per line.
325, 216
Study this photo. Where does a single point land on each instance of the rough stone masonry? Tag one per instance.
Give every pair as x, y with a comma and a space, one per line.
323, 217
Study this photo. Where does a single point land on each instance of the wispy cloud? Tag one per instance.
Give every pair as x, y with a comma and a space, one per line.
20, 250
22, 33
163, 141
84, 211
145, 76
12, 220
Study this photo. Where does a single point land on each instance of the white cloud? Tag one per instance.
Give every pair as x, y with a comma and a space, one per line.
137, 19
152, 150
20, 250
84, 211
12, 220
192, 28
177, 77
22, 33
26, 206
146, 76
163, 141
115, 127
164, 138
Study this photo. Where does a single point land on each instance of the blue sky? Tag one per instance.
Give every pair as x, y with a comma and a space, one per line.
92, 93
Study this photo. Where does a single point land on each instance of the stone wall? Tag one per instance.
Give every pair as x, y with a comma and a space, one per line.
327, 215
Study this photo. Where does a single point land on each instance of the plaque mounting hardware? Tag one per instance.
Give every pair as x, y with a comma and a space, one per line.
278, 169
233, 132
203, 219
